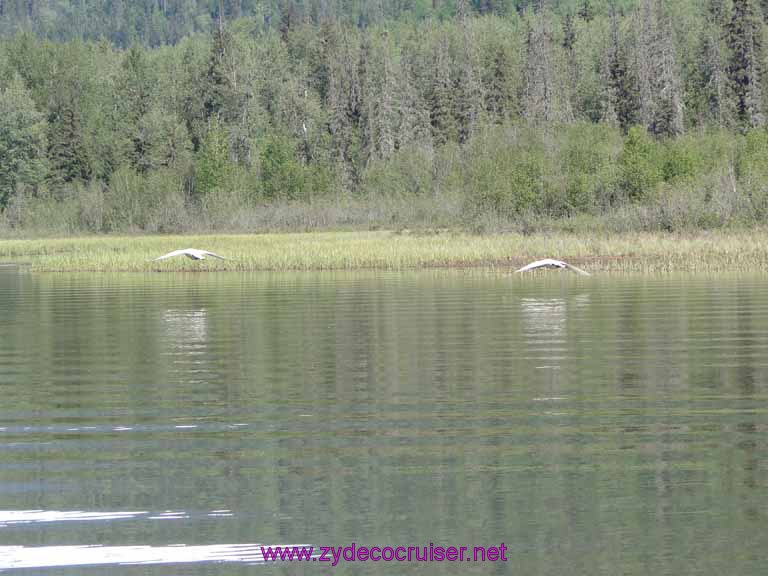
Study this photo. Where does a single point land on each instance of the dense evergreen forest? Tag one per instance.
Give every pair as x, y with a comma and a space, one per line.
179, 115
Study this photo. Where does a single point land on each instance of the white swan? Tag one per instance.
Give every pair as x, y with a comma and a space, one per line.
192, 253
549, 263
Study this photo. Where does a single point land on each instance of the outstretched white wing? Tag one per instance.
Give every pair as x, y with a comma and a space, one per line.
212, 254
546, 263
192, 253
171, 255
550, 263
573, 268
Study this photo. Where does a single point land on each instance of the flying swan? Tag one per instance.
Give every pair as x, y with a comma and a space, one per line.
191, 253
549, 263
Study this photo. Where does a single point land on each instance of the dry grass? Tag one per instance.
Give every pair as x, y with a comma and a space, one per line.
631, 252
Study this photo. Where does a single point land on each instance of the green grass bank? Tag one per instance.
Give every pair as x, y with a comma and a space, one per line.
630, 252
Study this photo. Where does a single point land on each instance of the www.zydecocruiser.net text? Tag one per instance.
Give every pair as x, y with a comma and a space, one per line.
356, 553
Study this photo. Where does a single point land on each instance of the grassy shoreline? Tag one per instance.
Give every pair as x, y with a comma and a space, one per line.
631, 252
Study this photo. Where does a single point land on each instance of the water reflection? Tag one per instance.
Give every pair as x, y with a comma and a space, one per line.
545, 327
185, 341
544, 318
64, 556
386, 409
185, 330
11, 517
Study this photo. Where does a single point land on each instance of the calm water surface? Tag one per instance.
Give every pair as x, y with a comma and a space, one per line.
593, 425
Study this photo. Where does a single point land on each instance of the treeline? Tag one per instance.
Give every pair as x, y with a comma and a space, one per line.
650, 116
157, 22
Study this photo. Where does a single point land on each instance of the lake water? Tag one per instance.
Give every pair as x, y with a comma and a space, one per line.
603, 425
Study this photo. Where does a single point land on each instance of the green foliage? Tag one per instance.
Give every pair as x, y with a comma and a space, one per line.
681, 160
282, 177
128, 198
589, 155
135, 99
406, 104
68, 153
752, 170
752, 161
22, 140
639, 166
408, 172
216, 86
212, 165
506, 171
744, 36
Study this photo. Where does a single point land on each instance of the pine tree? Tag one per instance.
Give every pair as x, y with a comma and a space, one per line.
709, 90
22, 140
191, 107
468, 88
218, 93
764, 9
499, 97
539, 81
136, 96
66, 148
67, 152
345, 106
441, 98
571, 64
586, 11
745, 68
661, 103
414, 112
620, 81
379, 100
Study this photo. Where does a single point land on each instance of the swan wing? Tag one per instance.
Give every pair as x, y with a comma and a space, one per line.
542, 264
573, 268
171, 255
214, 255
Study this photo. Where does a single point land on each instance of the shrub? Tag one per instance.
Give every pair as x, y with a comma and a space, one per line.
282, 176
640, 167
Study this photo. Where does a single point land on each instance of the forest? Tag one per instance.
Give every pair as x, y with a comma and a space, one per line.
167, 116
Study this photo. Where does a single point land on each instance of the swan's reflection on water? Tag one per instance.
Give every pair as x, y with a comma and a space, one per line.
185, 330
545, 322
544, 318
185, 338
61, 556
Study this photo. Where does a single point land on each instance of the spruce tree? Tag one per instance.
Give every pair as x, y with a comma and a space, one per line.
136, 95
217, 93
586, 11
539, 89
67, 152
467, 86
620, 80
441, 99
709, 85
22, 140
745, 66
661, 103
571, 64
497, 78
